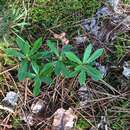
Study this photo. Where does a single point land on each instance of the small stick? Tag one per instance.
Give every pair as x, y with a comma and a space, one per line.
9, 70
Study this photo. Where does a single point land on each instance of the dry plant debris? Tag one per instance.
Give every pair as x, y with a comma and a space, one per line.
89, 100
102, 125
64, 119
61, 37
108, 22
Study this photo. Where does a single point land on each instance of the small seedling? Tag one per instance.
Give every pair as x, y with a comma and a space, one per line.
41, 66
28, 57
85, 67
60, 62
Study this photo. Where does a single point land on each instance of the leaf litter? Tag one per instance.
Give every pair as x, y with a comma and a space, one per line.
105, 25
64, 119
108, 22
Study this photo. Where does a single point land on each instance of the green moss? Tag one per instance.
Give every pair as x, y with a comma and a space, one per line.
126, 1
122, 118
120, 44
63, 13
82, 124
16, 122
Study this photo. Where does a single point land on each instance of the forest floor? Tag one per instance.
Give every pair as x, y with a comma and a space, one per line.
65, 64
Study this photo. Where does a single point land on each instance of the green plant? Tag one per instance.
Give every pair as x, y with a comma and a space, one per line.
12, 21
64, 13
60, 61
16, 122
126, 1
120, 47
82, 124
85, 67
41, 66
28, 56
121, 120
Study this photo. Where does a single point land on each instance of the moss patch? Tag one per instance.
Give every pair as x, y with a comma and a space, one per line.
64, 13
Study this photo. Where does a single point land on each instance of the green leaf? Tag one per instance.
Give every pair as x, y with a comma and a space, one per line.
13, 53
23, 45
87, 53
58, 67
31, 75
94, 73
95, 55
46, 80
67, 48
61, 68
72, 74
72, 57
36, 46
47, 69
82, 77
39, 55
37, 85
35, 67
20, 42
22, 72
65, 71
51, 45
78, 68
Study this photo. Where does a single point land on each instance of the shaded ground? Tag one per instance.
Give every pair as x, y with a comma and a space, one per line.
107, 99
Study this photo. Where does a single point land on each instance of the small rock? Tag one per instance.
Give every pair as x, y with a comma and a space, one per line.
84, 96
29, 119
11, 98
64, 119
126, 70
38, 106
80, 39
104, 11
102, 69
9, 102
102, 125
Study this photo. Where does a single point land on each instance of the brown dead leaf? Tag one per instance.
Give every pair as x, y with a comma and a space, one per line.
63, 119
61, 37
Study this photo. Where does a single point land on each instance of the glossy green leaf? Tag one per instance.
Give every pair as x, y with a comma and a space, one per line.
67, 48
37, 44
82, 77
37, 85
72, 57
35, 67
47, 69
23, 45
26, 49
39, 55
61, 68
65, 71
58, 67
94, 73
51, 45
78, 68
95, 55
31, 75
72, 74
87, 53
20, 42
22, 72
46, 80
13, 53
